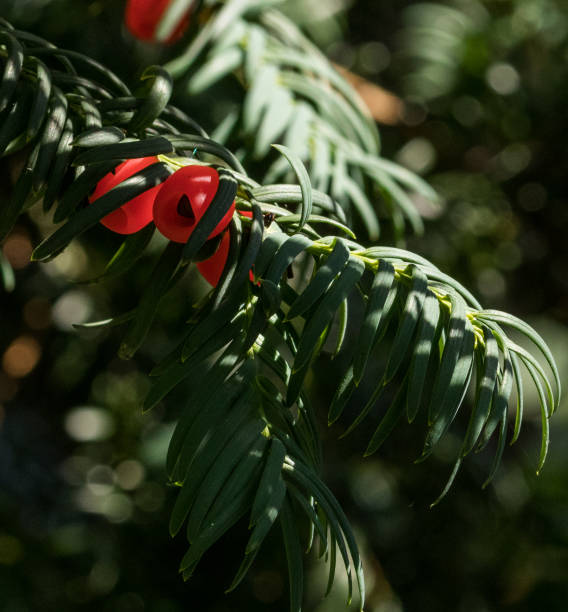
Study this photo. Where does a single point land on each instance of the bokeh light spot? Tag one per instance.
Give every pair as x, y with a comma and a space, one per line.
515, 158
88, 424
117, 507
418, 155
103, 577
72, 307
491, 283
467, 110
100, 480
503, 78
21, 357
71, 263
17, 249
373, 57
371, 488
130, 474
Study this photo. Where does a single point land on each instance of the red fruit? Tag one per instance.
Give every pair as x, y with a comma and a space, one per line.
135, 214
212, 268
183, 200
142, 18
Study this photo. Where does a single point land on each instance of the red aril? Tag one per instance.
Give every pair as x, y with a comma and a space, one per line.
142, 17
136, 213
183, 200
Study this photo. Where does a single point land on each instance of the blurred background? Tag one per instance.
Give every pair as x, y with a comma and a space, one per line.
471, 95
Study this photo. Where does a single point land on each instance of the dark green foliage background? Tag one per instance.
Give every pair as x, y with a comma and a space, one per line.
501, 549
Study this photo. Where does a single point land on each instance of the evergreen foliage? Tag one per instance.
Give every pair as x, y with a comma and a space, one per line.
247, 443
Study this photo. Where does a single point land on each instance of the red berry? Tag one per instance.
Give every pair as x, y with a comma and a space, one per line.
142, 18
183, 200
135, 214
212, 268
